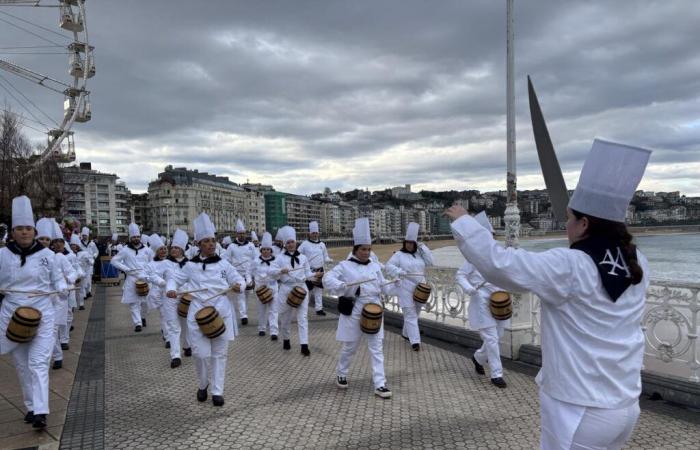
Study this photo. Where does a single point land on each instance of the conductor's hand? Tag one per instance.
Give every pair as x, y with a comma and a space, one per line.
171, 294
454, 212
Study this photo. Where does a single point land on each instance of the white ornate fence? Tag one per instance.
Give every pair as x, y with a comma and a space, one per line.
671, 321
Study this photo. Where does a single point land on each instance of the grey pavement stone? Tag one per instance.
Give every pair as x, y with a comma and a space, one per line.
279, 399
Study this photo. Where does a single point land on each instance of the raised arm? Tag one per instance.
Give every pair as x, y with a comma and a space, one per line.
426, 254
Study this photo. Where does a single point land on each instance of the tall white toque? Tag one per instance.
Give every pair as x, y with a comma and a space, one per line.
253, 236
240, 228
278, 235
412, 232
483, 220
134, 230
156, 242
115, 237
85, 231
57, 233
44, 227
75, 240
203, 228
227, 240
22, 213
313, 227
287, 234
361, 234
608, 180
266, 240
179, 239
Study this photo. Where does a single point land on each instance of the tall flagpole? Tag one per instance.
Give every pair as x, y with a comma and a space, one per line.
512, 214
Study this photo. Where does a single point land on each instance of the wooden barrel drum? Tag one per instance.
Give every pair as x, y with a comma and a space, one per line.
371, 319
141, 288
23, 325
210, 322
296, 296
265, 294
500, 305
422, 293
183, 306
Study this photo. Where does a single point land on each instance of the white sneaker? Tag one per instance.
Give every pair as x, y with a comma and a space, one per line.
383, 392
341, 382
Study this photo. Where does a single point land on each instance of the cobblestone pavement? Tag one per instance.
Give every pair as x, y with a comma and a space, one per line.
280, 399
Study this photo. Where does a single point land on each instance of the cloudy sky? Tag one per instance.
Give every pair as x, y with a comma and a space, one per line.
308, 94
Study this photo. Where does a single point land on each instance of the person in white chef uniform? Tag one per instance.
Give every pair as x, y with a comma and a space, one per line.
90, 247
241, 254
132, 260
262, 269
359, 278
480, 317
27, 267
317, 254
210, 272
409, 264
592, 300
177, 325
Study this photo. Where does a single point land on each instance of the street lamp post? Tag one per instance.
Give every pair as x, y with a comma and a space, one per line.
512, 214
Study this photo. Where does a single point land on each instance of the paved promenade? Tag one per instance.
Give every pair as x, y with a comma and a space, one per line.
280, 399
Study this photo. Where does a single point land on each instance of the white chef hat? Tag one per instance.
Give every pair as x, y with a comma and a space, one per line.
227, 240
134, 230
608, 180
44, 227
266, 240
203, 227
56, 233
361, 234
155, 242
278, 235
287, 234
85, 231
179, 239
22, 214
484, 221
412, 232
313, 227
253, 236
240, 228
75, 240
115, 237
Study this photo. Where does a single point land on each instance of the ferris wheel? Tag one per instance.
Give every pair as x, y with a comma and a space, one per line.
39, 92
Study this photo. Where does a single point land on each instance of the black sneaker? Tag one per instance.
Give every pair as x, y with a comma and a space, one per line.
244, 321
167, 344
341, 382
202, 394
286, 344
175, 362
383, 392
39, 421
71, 328
57, 364
305, 350
273, 337
89, 294
499, 382
29, 417
261, 333
64, 346
320, 313
478, 368
416, 347
137, 328
188, 351
143, 322
82, 308
217, 400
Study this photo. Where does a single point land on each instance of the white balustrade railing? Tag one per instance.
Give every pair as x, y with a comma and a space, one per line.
670, 323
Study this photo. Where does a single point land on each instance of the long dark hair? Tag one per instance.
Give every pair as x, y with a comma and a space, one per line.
405, 250
616, 232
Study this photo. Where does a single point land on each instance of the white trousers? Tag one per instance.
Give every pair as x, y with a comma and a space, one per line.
32, 365
374, 345
64, 330
239, 302
211, 371
263, 315
285, 317
82, 292
138, 311
574, 427
317, 294
410, 322
57, 350
184, 332
171, 325
274, 316
490, 352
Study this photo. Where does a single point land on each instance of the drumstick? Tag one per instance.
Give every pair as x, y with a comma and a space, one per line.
360, 282
190, 292
220, 293
390, 282
39, 294
14, 291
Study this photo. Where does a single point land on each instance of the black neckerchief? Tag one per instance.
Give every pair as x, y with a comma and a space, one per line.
65, 252
24, 252
210, 260
131, 246
266, 261
294, 257
610, 261
413, 253
240, 244
180, 263
84, 244
156, 258
315, 242
357, 261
